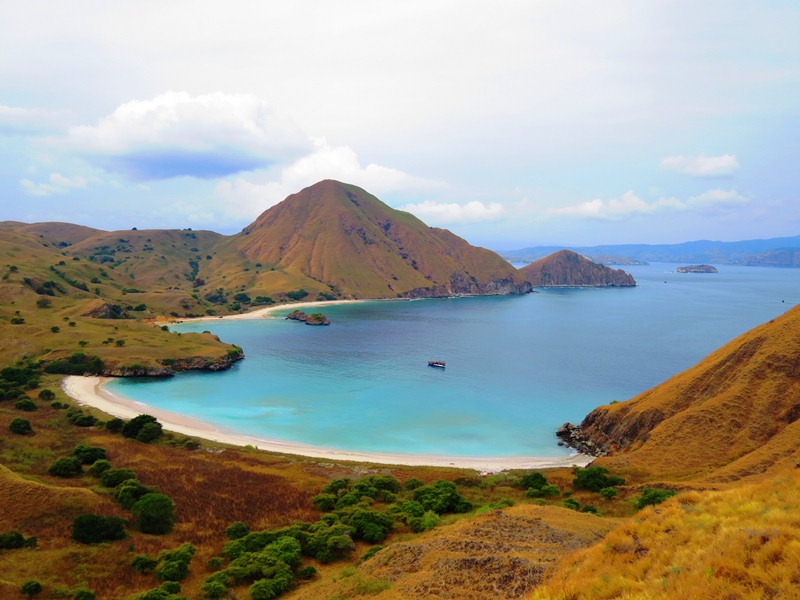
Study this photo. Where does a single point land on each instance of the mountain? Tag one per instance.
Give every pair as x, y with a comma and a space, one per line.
337, 239
734, 415
774, 252
568, 268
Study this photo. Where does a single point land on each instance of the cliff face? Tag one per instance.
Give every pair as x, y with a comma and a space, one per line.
735, 414
569, 269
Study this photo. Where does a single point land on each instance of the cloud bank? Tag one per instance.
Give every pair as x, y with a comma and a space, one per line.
701, 166
629, 205
250, 197
451, 212
175, 134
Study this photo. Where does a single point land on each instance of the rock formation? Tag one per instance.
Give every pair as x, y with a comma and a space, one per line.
569, 269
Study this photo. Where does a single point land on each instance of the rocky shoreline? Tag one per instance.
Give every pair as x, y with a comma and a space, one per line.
572, 437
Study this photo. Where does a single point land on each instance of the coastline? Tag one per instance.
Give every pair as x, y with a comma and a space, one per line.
265, 312
89, 391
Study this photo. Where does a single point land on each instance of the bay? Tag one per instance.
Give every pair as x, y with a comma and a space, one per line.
517, 367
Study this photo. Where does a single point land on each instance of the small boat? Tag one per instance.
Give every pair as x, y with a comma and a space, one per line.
439, 364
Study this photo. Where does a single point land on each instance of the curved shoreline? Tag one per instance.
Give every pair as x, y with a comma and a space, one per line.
89, 391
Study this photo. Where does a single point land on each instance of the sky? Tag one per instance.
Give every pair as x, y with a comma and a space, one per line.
512, 123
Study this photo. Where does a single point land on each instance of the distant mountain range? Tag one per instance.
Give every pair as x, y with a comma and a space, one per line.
775, 252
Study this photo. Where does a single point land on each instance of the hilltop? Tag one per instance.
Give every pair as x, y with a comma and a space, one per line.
569, 269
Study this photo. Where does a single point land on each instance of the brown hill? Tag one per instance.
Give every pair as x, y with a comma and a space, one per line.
499, 554
338, 239
566, 268
734, 415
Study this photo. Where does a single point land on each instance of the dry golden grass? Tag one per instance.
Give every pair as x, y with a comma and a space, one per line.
742, 543
498, 554
733, 416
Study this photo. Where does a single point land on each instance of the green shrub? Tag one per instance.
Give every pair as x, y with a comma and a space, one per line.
154, 513
546, 491
532, 480
31, 588
571, 503
111, 478
20, 426
142, 563
115, 425
89, 454
652, 496
25, 404
609, 493
129, 492
11, 540
237, 530
47, 395
441, 497
132, 428
93, 529
66, 467
99, 467
594, 479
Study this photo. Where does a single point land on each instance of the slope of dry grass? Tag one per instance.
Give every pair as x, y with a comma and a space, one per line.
732, 416
740, 543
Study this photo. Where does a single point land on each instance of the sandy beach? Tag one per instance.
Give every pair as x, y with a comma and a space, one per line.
89, 391
261, 313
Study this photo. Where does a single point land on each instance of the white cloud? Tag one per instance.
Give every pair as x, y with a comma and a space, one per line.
30, 121
629, 205
451, 212
701, 166
176, 134
249, 198
56, 184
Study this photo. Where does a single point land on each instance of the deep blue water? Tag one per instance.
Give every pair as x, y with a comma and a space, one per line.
517, 367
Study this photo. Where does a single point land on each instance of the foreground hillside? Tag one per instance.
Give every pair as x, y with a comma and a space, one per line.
734, 415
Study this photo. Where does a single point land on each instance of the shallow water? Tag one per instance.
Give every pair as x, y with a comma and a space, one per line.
517, 367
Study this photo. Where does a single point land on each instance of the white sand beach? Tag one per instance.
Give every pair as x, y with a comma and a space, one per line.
261, 313
89, 391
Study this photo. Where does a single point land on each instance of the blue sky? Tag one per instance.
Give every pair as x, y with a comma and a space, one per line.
511, 123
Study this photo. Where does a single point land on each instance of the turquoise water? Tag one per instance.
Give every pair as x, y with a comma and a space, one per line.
517, 367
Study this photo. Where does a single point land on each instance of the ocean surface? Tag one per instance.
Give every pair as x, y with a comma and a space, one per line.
517, 367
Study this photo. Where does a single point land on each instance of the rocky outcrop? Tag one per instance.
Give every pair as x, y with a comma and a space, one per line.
171, 366
569, 269
572, 436
106, 310
697, 269
312, 319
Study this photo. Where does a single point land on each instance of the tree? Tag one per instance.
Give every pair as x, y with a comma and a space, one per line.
25, 404
652, 496
594, 479
533, 480
66, 467
93, 529
89, 454
132, 428
154, 513
31, 588
20, 426
47, 395
113, 477
150, 432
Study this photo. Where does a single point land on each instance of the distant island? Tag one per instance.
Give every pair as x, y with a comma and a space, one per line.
697, 269
569, 269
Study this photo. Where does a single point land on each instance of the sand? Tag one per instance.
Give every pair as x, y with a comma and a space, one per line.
89, 391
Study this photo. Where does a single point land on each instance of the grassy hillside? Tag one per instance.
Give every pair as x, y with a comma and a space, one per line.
734, 415
567, 268
339, 239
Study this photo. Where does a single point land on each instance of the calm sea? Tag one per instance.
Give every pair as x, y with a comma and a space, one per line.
517, 367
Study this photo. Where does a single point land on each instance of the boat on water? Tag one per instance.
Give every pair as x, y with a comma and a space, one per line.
439, 364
